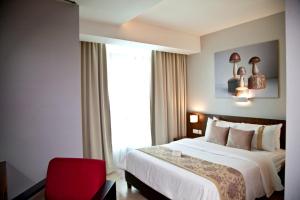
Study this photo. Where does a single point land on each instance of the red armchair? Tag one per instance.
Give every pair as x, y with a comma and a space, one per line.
74, 179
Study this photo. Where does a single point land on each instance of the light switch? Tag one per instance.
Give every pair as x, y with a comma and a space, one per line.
200, 132
196, 131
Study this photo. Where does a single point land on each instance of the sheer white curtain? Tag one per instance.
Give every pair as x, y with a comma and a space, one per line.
129, 73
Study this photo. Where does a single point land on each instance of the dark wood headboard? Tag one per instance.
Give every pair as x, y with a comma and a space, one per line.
202, 119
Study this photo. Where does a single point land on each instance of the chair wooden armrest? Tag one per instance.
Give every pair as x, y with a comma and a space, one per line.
107, 191
31, 191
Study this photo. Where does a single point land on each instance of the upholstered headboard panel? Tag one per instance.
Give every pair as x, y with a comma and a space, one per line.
202, 119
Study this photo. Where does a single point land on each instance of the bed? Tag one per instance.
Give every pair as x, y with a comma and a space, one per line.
158, 179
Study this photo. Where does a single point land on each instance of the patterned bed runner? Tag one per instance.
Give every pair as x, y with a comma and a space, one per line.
229, 182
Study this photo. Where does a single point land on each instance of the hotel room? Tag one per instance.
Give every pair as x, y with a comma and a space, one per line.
132, 99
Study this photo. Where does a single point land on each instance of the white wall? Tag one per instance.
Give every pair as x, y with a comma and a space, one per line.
40, 116
292, 179
201, 94
172, 41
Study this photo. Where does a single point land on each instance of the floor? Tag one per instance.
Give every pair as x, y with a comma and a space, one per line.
122, 192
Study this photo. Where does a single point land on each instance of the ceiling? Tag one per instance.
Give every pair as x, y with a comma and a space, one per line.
197, 17
113, 11
205, 16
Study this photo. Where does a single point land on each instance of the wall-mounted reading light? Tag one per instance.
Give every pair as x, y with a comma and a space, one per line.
193, 118
243, 95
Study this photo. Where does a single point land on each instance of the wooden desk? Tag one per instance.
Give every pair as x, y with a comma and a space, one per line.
3, 182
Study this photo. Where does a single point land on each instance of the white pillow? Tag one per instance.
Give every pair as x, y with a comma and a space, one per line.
270, 137
210, 122
273, 132
226, 124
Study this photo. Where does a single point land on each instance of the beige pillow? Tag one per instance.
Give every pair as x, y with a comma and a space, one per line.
240, 139
218, 135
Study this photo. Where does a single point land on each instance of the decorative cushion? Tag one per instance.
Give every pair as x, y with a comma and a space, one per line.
218, 135
216, 122
266, 137
250, 127
240, 139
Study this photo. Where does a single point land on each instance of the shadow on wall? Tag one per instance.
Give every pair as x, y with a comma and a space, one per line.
16, 181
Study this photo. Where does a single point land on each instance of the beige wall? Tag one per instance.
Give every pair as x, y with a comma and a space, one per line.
201, 94
292, 170
40, 116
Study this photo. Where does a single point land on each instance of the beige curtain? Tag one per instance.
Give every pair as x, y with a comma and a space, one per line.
95, 104
168, 96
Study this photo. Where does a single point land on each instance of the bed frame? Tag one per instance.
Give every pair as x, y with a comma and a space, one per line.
152, 194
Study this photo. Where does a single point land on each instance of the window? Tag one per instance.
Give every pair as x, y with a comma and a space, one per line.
129, 93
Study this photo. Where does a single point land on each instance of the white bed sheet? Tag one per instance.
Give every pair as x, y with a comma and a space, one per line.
177, 183
278, 157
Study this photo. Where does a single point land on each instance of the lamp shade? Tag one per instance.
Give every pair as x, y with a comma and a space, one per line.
193, 118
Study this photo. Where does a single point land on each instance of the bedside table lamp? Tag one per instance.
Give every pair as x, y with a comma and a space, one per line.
193, 118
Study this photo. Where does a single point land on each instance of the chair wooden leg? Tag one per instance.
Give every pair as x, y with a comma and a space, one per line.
107, 191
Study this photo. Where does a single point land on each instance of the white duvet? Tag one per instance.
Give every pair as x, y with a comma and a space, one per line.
258, 170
